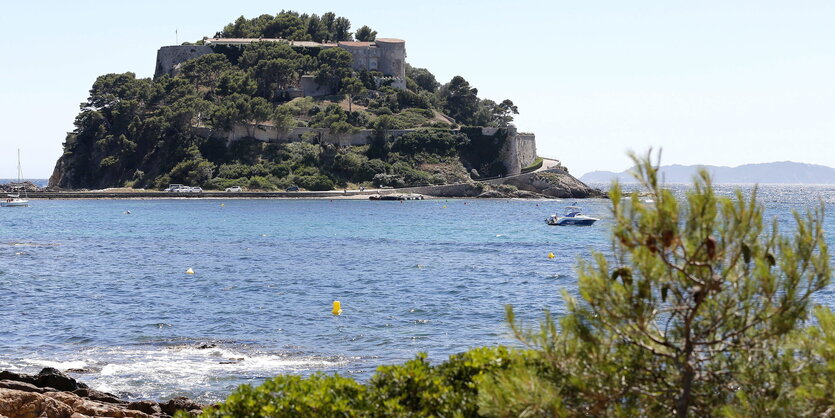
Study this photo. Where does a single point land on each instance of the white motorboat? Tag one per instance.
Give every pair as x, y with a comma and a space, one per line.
13, 199
572, 216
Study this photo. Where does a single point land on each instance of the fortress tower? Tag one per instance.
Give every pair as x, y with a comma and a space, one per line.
392, 60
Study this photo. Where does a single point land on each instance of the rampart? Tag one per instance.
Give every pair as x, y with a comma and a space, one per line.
170, 57
518, 152
386, 55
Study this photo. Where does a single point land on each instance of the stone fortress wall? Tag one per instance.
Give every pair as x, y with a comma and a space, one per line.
386, 55
518, 152
170, 57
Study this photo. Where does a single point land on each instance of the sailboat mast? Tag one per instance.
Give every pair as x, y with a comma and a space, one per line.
19, 170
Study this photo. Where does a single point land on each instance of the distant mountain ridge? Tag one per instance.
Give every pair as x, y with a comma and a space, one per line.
784, 172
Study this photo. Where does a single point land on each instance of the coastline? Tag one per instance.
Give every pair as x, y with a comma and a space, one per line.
52, 393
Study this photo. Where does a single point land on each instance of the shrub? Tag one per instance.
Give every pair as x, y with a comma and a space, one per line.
314, 396
317, 182
370, 168
388, 180
195, 172
260, 183
415, 388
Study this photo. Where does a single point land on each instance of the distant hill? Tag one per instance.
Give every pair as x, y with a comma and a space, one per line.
785, 172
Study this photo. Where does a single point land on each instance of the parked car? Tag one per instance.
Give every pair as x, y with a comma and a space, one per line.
235, 189
196, 189
293, 189
174, 188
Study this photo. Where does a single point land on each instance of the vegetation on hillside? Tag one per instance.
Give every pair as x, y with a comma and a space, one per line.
142, 132
702, 309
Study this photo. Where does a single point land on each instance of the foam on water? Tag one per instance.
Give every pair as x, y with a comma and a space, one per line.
144, 372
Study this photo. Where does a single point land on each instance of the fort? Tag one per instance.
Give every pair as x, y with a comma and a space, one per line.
386, 55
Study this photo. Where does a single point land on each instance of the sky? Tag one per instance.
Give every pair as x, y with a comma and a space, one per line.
707, 82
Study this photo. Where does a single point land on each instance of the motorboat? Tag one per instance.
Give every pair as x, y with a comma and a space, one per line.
573, 216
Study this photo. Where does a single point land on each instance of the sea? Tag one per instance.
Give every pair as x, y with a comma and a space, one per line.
103, 294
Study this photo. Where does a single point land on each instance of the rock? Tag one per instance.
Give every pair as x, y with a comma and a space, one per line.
491, 194
21, 404
148, 407
98, 396
180, 403
52, 377
25, 396
93, 408
17, 385
524, 194
7, 375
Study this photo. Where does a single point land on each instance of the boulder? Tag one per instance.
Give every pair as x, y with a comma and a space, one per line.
148, 407
492, 194
93, 408
16, 385
180, 403
51, 377
21, 404
18, 377
98, 396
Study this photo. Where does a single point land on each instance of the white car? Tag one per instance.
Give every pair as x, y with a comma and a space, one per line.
174, 188
235, 189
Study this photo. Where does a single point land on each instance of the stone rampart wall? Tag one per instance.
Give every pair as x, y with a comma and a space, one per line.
518, 152
168, 57
269, 133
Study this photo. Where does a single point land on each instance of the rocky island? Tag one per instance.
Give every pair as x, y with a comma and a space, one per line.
298, 100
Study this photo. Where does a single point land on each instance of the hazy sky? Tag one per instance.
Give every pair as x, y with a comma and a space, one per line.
710, 82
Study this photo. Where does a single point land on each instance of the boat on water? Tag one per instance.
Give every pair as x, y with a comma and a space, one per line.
573, 216
13, 199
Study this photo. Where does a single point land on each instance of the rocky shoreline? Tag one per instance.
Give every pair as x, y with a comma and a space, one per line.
53, 394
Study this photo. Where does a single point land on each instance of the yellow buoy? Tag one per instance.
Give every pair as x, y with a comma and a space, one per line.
551, 255
189, 271
444, 206
337, 308
222, 205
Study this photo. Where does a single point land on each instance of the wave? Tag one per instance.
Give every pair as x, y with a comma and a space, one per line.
198, 371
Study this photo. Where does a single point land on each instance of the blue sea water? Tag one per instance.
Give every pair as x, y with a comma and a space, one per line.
87, 288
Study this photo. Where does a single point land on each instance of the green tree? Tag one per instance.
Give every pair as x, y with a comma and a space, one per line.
341, 30
695, 293
232, 110
352, 87
236, 81
283, 119
334, 65
205, 71
272, 75
316, 29
423, 78
365, 34
504, 112
460, 101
